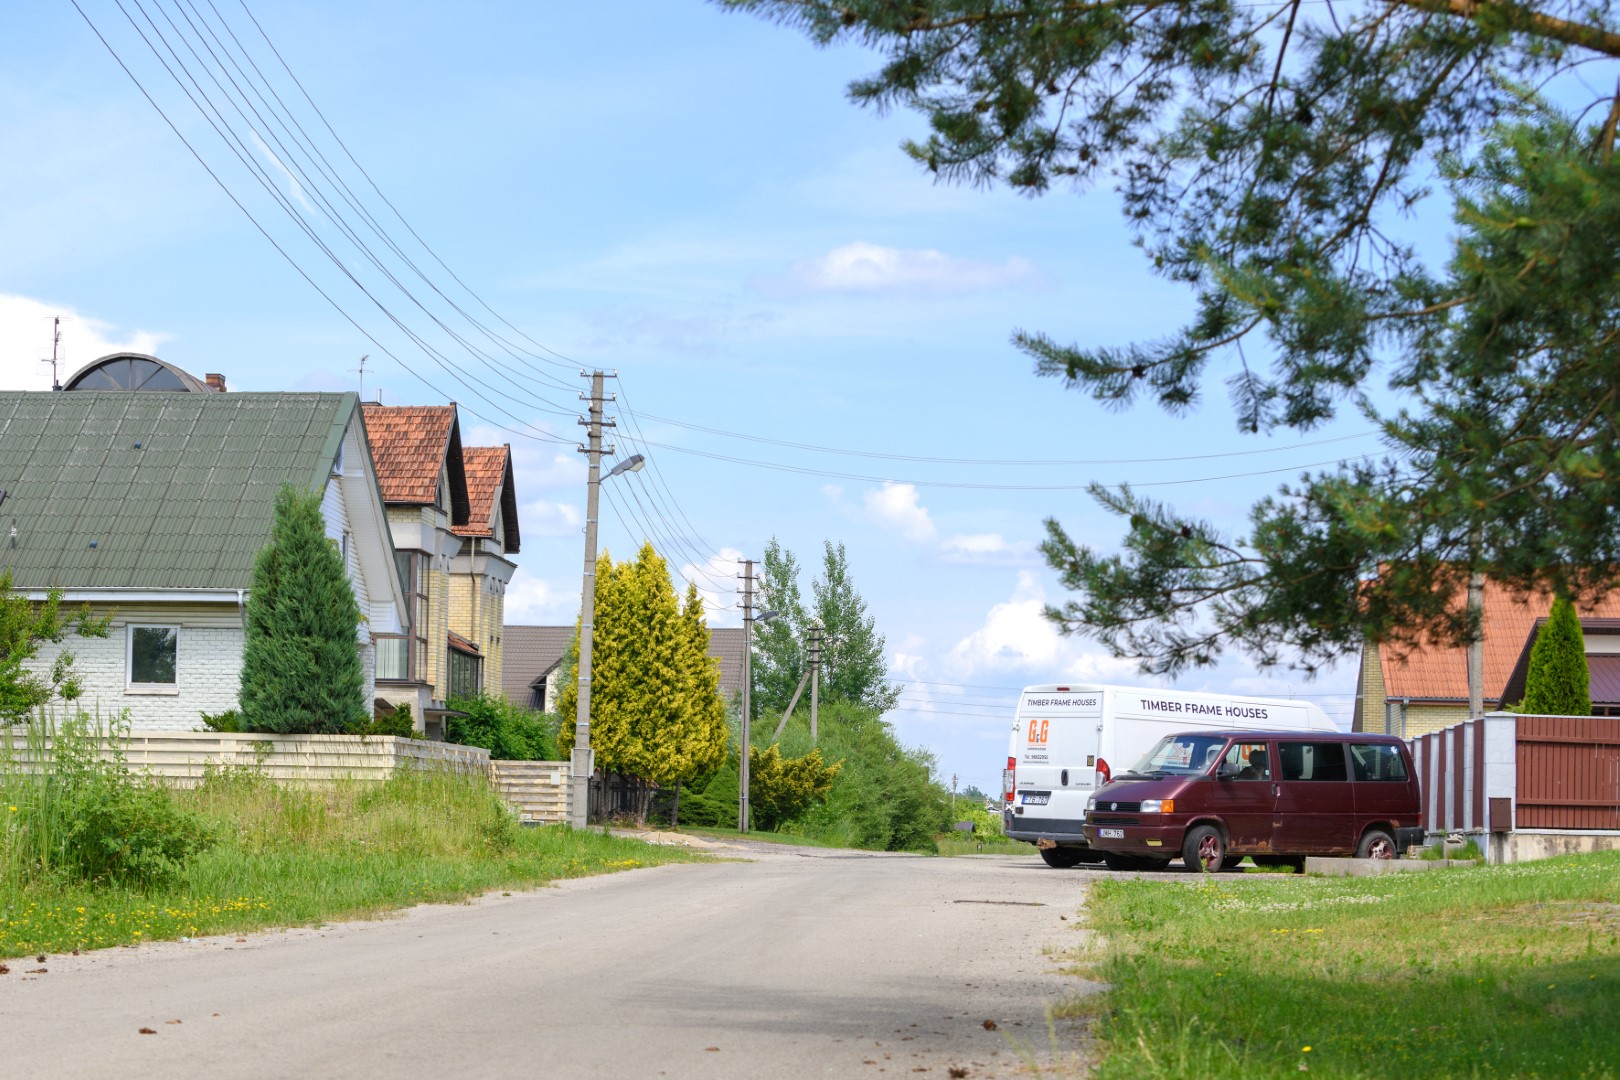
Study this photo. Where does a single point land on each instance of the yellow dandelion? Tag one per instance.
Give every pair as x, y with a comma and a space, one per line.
1305, 1049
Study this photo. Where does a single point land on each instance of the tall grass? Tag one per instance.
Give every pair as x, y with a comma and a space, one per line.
280, 854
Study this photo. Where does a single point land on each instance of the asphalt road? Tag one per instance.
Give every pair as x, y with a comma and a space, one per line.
802, 962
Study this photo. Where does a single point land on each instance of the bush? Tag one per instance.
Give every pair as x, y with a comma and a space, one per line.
84, 818
229, 721
1558, 682
507, 731
781, 789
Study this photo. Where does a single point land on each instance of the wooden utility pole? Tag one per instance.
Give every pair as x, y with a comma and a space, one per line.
815, 677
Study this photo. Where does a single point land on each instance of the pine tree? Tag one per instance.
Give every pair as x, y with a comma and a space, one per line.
1270, 157
1558, 682
701, 733
301, 670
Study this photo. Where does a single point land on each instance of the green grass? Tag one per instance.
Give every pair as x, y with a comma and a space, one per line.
1492, 971
297, 856
967, 844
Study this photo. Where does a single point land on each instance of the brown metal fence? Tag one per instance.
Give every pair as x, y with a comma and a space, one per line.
1568, 772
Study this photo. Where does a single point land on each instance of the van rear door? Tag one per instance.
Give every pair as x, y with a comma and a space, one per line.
1057, 757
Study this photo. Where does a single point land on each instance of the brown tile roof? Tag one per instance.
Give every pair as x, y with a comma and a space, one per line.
461, 644
489, 478
410, 444
1440, 673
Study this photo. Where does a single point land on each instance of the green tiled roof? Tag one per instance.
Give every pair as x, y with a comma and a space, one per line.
118, 490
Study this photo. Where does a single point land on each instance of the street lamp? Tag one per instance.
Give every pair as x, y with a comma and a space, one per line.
582, 761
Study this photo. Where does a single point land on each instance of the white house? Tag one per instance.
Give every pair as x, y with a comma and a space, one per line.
151, 503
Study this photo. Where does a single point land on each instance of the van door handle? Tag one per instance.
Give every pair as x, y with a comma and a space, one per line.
1274, 791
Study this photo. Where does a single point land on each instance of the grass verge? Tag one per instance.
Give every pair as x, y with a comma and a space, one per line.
1494, 971
297, 856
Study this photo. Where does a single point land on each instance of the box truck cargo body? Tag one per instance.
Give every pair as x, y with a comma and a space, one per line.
1068, 740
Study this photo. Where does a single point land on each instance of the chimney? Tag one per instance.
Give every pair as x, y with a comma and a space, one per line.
215, 381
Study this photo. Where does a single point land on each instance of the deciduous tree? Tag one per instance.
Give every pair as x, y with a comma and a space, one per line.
25, 625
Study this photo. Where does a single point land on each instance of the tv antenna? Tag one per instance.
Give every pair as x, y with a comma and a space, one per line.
56, 345
362, 372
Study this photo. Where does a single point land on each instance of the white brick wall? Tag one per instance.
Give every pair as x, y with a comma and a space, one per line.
208, 676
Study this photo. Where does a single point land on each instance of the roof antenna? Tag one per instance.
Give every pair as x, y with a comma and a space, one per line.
362, 370
56, 343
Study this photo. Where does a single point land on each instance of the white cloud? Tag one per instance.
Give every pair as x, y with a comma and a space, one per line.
861, 267
542, 518
1017, 637
991, 549
716, 581
532, 600
25, 339
896, 507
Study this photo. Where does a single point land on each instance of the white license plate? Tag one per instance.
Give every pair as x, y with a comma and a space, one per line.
1111, 834
1036, 800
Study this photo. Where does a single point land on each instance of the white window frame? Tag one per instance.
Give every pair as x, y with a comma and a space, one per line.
133, 687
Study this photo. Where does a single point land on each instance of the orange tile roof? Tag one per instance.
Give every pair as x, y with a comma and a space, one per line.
1437, 672
461, 644
486, 468
409, 443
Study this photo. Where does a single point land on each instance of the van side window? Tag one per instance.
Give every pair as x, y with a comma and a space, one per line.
1312, 761
1377, 761
1250, 758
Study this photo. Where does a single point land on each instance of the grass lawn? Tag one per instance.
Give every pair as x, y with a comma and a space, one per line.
1493, 971
969, 844
295, 856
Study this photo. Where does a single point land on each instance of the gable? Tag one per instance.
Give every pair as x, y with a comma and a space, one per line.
417, 448
492, 502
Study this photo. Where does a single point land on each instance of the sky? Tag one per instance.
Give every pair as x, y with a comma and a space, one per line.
657, 188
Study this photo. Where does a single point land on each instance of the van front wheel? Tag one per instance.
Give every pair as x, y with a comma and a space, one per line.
1061, 858
1377, 844
1203, 849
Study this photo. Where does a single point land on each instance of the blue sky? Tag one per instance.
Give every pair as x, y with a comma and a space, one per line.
685, 196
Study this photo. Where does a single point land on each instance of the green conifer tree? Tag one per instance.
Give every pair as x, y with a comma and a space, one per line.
1558, 682
301, 671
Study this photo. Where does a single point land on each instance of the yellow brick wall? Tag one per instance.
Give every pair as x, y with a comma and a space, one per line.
1371, 689
1422, 719
477, 613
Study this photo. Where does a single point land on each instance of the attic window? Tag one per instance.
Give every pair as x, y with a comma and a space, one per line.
129, 373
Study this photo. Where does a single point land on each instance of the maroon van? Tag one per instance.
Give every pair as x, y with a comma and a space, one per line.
1212, 797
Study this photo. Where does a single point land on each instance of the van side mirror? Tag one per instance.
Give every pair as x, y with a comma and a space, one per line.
1227, 771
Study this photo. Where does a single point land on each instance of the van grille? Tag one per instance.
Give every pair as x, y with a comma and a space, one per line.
1118, 805
1113, 819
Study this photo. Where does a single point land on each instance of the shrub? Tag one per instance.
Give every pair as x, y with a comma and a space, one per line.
781, 789
83, 817
229, 721
507, 731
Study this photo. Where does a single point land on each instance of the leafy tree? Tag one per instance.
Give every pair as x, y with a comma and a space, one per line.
301, 671
25, 626
852, 664
1266, 154
781, 789
779, 656
1558, 682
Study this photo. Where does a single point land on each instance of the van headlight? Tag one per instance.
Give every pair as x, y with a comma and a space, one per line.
1091, 803
1158, 806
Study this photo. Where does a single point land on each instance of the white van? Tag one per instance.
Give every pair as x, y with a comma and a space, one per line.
1067, 741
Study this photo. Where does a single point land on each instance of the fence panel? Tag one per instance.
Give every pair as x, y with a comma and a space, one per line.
1569, 772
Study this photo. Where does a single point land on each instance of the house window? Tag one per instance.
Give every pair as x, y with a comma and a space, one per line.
466, 674
153, 656
404, 658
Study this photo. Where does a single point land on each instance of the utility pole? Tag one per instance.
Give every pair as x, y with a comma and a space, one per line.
816, 631
747, 692
582, 762
953, 795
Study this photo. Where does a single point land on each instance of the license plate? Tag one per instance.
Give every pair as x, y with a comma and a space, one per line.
1111, 834
1036, 800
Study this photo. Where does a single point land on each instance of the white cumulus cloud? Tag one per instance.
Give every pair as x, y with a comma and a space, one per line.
985, 548
717, 584
1017, 637
897, 507
871, 268
538, 601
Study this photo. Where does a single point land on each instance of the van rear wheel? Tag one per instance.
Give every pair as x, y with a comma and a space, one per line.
1203, 849
1061, 858
1377, 844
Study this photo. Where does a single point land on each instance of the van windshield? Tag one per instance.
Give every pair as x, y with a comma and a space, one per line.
1181, 755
